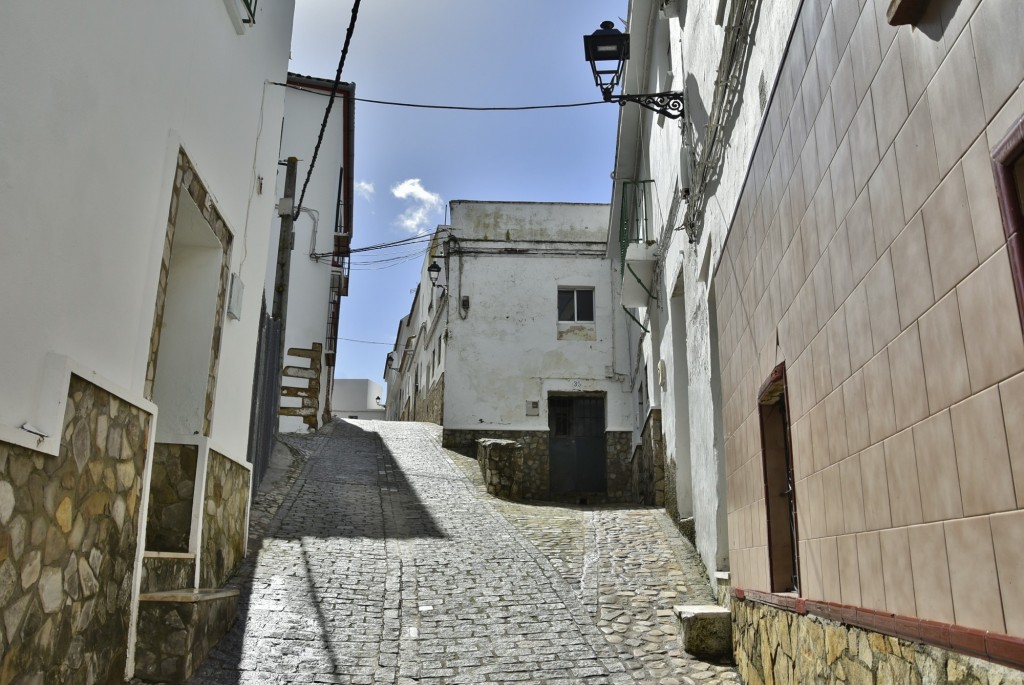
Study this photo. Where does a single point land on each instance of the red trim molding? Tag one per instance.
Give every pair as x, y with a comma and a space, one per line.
1005, 156
995, 647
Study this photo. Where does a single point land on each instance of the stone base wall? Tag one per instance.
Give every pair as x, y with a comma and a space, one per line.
501, 465
171, 491
618, 446
224, 524
535, 481
671, 503
161, 573
430, 404
68, 543
175, 636
649, 463
778, 647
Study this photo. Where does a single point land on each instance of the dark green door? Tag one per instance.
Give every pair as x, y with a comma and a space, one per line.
576, 444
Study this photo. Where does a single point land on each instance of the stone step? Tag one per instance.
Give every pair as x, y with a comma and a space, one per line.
178, 628
163, 571
705, 631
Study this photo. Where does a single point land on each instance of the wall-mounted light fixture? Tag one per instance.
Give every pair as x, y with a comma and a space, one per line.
433, 271
610, 47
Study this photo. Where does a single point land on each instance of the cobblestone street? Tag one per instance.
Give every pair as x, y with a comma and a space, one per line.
387, 562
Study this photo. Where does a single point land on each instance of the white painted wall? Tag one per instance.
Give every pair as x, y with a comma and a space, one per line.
683, 39
106, 94
506, 350
393, 374
353, 395
190, 312
310, 280
418, 355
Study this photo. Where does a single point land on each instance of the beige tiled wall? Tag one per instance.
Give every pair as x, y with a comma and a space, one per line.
868, 255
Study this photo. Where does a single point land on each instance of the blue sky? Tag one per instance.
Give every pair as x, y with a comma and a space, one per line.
410, 162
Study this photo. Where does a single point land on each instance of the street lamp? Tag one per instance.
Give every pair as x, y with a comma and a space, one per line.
433, 271
610, 47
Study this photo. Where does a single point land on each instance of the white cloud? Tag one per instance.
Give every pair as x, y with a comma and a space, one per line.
423, 205
364, 189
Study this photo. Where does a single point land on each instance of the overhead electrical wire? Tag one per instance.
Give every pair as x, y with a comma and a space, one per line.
425, 238
412, 240
466, 108
461, 108
386, 260
368, 342
330, 103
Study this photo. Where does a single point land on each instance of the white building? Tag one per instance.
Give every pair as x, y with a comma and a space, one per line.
655, 195
319, 272
137, 181
520, 343
357, 398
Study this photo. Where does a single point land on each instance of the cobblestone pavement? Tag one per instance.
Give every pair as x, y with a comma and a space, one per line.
386, 562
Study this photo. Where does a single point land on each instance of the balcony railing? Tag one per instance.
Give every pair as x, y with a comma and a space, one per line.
637, 250
250, 7
633, 219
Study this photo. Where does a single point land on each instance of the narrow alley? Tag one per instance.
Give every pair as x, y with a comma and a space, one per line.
387, 562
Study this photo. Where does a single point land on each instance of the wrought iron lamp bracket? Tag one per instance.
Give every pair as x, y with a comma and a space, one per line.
669, 104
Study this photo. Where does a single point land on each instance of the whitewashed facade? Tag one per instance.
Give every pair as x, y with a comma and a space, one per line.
136, 177
319, 275
678, 46
485, 354
357, 398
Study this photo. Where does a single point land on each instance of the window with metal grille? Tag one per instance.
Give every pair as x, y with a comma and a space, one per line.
575, 304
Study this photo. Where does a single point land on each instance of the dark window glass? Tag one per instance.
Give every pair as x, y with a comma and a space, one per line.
576, 305
584, 305
566, 305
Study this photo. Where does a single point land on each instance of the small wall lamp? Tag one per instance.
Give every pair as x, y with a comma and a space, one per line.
433, 271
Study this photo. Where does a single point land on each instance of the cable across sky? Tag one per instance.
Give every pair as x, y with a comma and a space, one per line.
461, 108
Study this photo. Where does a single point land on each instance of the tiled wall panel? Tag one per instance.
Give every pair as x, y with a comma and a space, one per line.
869, 256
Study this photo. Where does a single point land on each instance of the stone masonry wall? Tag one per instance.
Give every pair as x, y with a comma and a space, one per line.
649, 464
162, 573
224, 526
430, 407
618, 446
176, 636
501, 465
68, 544
534, 444
171, 492
536, 475
671, 503
778, 647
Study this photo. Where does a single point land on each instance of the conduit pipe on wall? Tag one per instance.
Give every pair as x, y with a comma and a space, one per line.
737, 35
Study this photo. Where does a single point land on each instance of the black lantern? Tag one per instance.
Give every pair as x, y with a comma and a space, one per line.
433, 271
607, 50
607, 45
